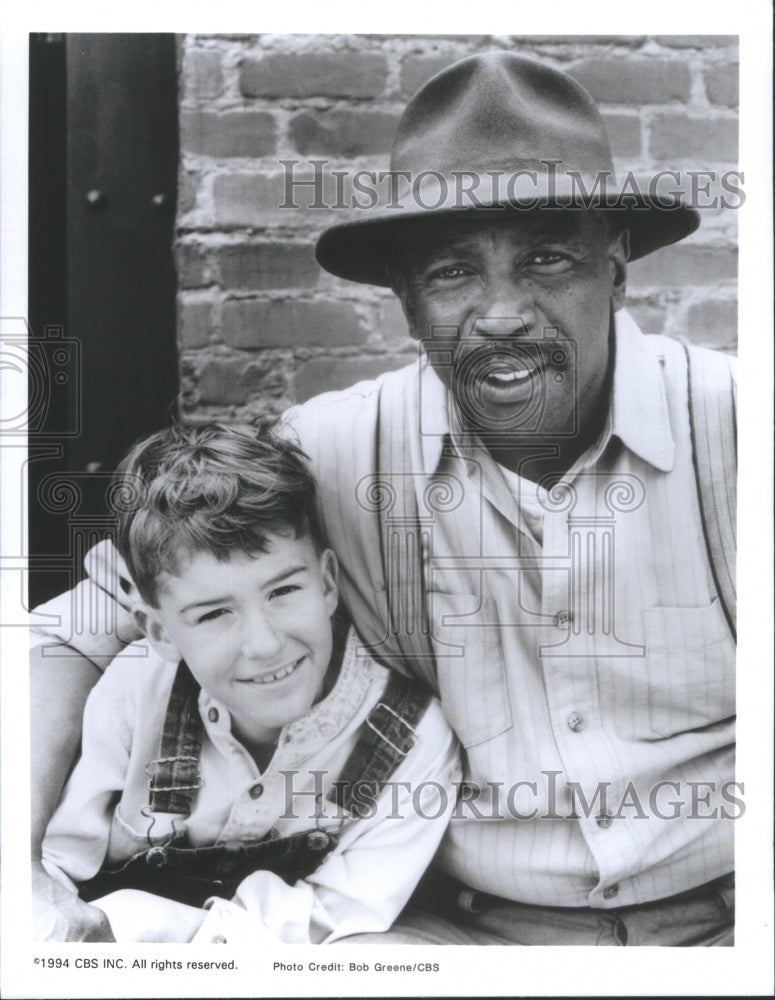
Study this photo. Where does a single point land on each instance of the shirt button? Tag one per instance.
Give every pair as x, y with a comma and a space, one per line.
563, 619
317, 840
611, 890
604, 820
212, 715
156, 857
256, 791
576, 721
219, 939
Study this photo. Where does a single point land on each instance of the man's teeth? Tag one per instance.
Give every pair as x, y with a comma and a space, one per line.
512, 375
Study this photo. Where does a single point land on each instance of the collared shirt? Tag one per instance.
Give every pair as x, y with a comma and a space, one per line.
582, 655
363, 883
581, 651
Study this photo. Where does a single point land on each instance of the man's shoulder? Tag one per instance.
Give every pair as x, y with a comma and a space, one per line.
360, 396
677, 349
340, 426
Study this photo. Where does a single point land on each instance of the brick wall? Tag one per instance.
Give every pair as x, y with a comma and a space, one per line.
261, 325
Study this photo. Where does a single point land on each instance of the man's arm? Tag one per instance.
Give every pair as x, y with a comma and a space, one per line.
59, 685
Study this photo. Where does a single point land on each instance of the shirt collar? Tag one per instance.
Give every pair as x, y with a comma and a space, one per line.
638, 413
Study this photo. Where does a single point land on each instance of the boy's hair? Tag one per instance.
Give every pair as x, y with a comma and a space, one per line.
215, 488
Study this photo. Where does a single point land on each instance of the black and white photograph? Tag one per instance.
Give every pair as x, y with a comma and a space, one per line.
370, 457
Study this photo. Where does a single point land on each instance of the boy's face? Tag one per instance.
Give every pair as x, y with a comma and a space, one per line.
255, 631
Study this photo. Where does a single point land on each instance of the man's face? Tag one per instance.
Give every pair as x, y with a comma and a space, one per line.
255, 631
514, 315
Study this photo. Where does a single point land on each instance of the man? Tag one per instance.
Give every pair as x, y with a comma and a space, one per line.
519, 523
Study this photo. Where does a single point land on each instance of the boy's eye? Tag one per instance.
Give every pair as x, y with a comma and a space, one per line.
283, 591
209, 616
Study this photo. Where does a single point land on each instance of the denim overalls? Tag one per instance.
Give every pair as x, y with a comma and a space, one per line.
192, 874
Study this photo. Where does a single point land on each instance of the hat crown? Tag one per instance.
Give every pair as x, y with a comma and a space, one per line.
500, 110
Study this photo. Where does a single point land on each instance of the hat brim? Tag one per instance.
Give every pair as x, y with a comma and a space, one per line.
361, 250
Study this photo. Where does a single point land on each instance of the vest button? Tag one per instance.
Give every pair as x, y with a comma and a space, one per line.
156, 857
576, 722
256, 791
212, 715
610, 891
604, 820
563, 619
318, 840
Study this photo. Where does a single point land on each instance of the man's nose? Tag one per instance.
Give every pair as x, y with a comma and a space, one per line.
508, 311
261, 639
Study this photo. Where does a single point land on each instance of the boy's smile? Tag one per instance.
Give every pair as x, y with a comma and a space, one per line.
255, 631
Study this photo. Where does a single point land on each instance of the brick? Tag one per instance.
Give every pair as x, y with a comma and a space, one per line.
192, 266
202, 74
268, 265
230, 133
231, 382
678, 266
188, 186
713, 323
392, 322
623, 134
722, 84
343, 133
326, 74
252, 324
194, 324
250, 200
649, 317
696, 41
704, 140
326, 374
634, 81
418, 69
256, 199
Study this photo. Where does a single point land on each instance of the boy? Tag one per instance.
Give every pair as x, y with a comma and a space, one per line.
264, 779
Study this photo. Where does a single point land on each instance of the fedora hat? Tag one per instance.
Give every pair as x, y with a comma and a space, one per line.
492, 132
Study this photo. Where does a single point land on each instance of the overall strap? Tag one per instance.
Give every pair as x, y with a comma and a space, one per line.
384, 739
403, 539
175, 776
713, 422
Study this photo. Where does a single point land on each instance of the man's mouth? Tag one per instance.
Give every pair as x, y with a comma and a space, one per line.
506, 376
276, 675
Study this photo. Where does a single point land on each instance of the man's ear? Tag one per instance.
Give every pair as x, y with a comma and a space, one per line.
329, 572
619, 254
149, 621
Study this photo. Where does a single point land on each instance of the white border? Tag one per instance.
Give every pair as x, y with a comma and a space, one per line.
746, 969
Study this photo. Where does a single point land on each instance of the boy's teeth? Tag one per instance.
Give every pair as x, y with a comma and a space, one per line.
277, 675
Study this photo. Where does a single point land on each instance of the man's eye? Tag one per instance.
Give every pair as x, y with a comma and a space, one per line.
283, 591
210, 616
549, 260
449, 273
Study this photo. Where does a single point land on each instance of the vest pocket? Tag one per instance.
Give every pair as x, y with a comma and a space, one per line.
470, 666
690, 668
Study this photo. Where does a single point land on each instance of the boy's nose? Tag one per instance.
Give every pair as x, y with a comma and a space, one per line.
262, 640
